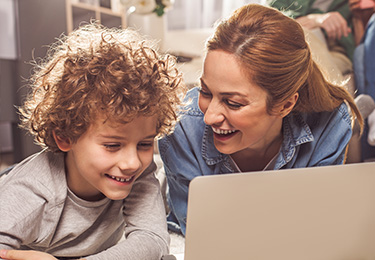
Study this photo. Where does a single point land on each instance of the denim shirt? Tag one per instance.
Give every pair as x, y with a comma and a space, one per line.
314, 139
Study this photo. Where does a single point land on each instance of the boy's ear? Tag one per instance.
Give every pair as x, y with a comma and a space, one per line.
288, 105
64, 144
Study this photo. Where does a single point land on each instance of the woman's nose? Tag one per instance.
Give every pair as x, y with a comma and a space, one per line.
214, 113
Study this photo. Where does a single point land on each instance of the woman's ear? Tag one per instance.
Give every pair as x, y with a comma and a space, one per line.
64, 144
288, 105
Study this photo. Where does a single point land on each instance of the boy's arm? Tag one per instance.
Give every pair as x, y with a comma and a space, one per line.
146, 231
21, 211
25, 255
20, 222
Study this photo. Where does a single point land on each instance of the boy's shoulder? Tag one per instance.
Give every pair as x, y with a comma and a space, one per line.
32, 197
41, 173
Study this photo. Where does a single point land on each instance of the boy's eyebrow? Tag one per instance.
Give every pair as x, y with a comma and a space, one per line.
151, 136
111, 136
118, 137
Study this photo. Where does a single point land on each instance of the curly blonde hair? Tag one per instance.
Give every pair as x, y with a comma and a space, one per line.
100, 71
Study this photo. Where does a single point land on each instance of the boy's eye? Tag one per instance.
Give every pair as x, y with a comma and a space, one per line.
145, 145
232, 104
112, 146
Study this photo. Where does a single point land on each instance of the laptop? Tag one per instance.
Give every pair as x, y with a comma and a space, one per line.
320, 213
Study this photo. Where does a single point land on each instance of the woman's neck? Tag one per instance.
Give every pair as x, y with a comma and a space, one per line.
257, 159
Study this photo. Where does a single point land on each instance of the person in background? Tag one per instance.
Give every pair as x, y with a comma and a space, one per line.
96, 106
263, 104
328, 28
364, 65
361, 10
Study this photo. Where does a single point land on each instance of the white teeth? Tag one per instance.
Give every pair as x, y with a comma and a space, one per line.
120, 179
222, 132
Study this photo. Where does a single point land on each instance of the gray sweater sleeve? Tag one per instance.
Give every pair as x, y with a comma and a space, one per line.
23, 203
146, 231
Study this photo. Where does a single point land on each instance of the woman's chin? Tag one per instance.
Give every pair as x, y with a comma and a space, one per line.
225, 144
225, 149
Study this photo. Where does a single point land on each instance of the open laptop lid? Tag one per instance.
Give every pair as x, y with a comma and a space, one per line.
320, 213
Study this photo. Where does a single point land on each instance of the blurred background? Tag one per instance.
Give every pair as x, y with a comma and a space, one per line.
28, 27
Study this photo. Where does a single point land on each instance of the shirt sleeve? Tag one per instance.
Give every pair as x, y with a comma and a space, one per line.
181, 165
21, 214
291, 8
146, 228
177, 200
183, 160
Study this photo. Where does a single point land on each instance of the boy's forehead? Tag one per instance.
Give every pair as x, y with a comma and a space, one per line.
119, 119
117, 122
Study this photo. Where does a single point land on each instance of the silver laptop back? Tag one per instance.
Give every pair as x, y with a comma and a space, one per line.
321, 213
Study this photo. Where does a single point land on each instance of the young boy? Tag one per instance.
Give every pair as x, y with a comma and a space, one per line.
98, 103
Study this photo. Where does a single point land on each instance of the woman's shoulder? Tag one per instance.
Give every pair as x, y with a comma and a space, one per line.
191, 107
190, 128
191, 118
322, 137
343, 112
339, 116
309, 126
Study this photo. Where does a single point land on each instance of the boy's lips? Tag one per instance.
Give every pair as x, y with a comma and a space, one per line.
121, 179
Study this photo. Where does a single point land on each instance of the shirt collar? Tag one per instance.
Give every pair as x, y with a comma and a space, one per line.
209, 152
295, 132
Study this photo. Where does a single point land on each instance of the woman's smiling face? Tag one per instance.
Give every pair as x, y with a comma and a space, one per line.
234, 107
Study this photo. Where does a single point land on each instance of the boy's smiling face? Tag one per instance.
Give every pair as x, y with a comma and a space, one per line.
108, 158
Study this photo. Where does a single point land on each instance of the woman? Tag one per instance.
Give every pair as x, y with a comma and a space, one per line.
263, 104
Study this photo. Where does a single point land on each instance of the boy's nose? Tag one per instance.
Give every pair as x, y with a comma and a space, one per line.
129, 161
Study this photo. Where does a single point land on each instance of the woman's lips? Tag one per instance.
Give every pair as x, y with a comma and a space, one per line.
223, 135
222, 131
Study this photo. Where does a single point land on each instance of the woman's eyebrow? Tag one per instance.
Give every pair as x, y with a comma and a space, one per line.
202, 82
226, 93
232, 93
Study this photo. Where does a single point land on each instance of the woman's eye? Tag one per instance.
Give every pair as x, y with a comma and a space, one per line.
232, 104
204, 93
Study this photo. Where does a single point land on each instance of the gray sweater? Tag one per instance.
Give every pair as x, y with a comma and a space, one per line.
39, 212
